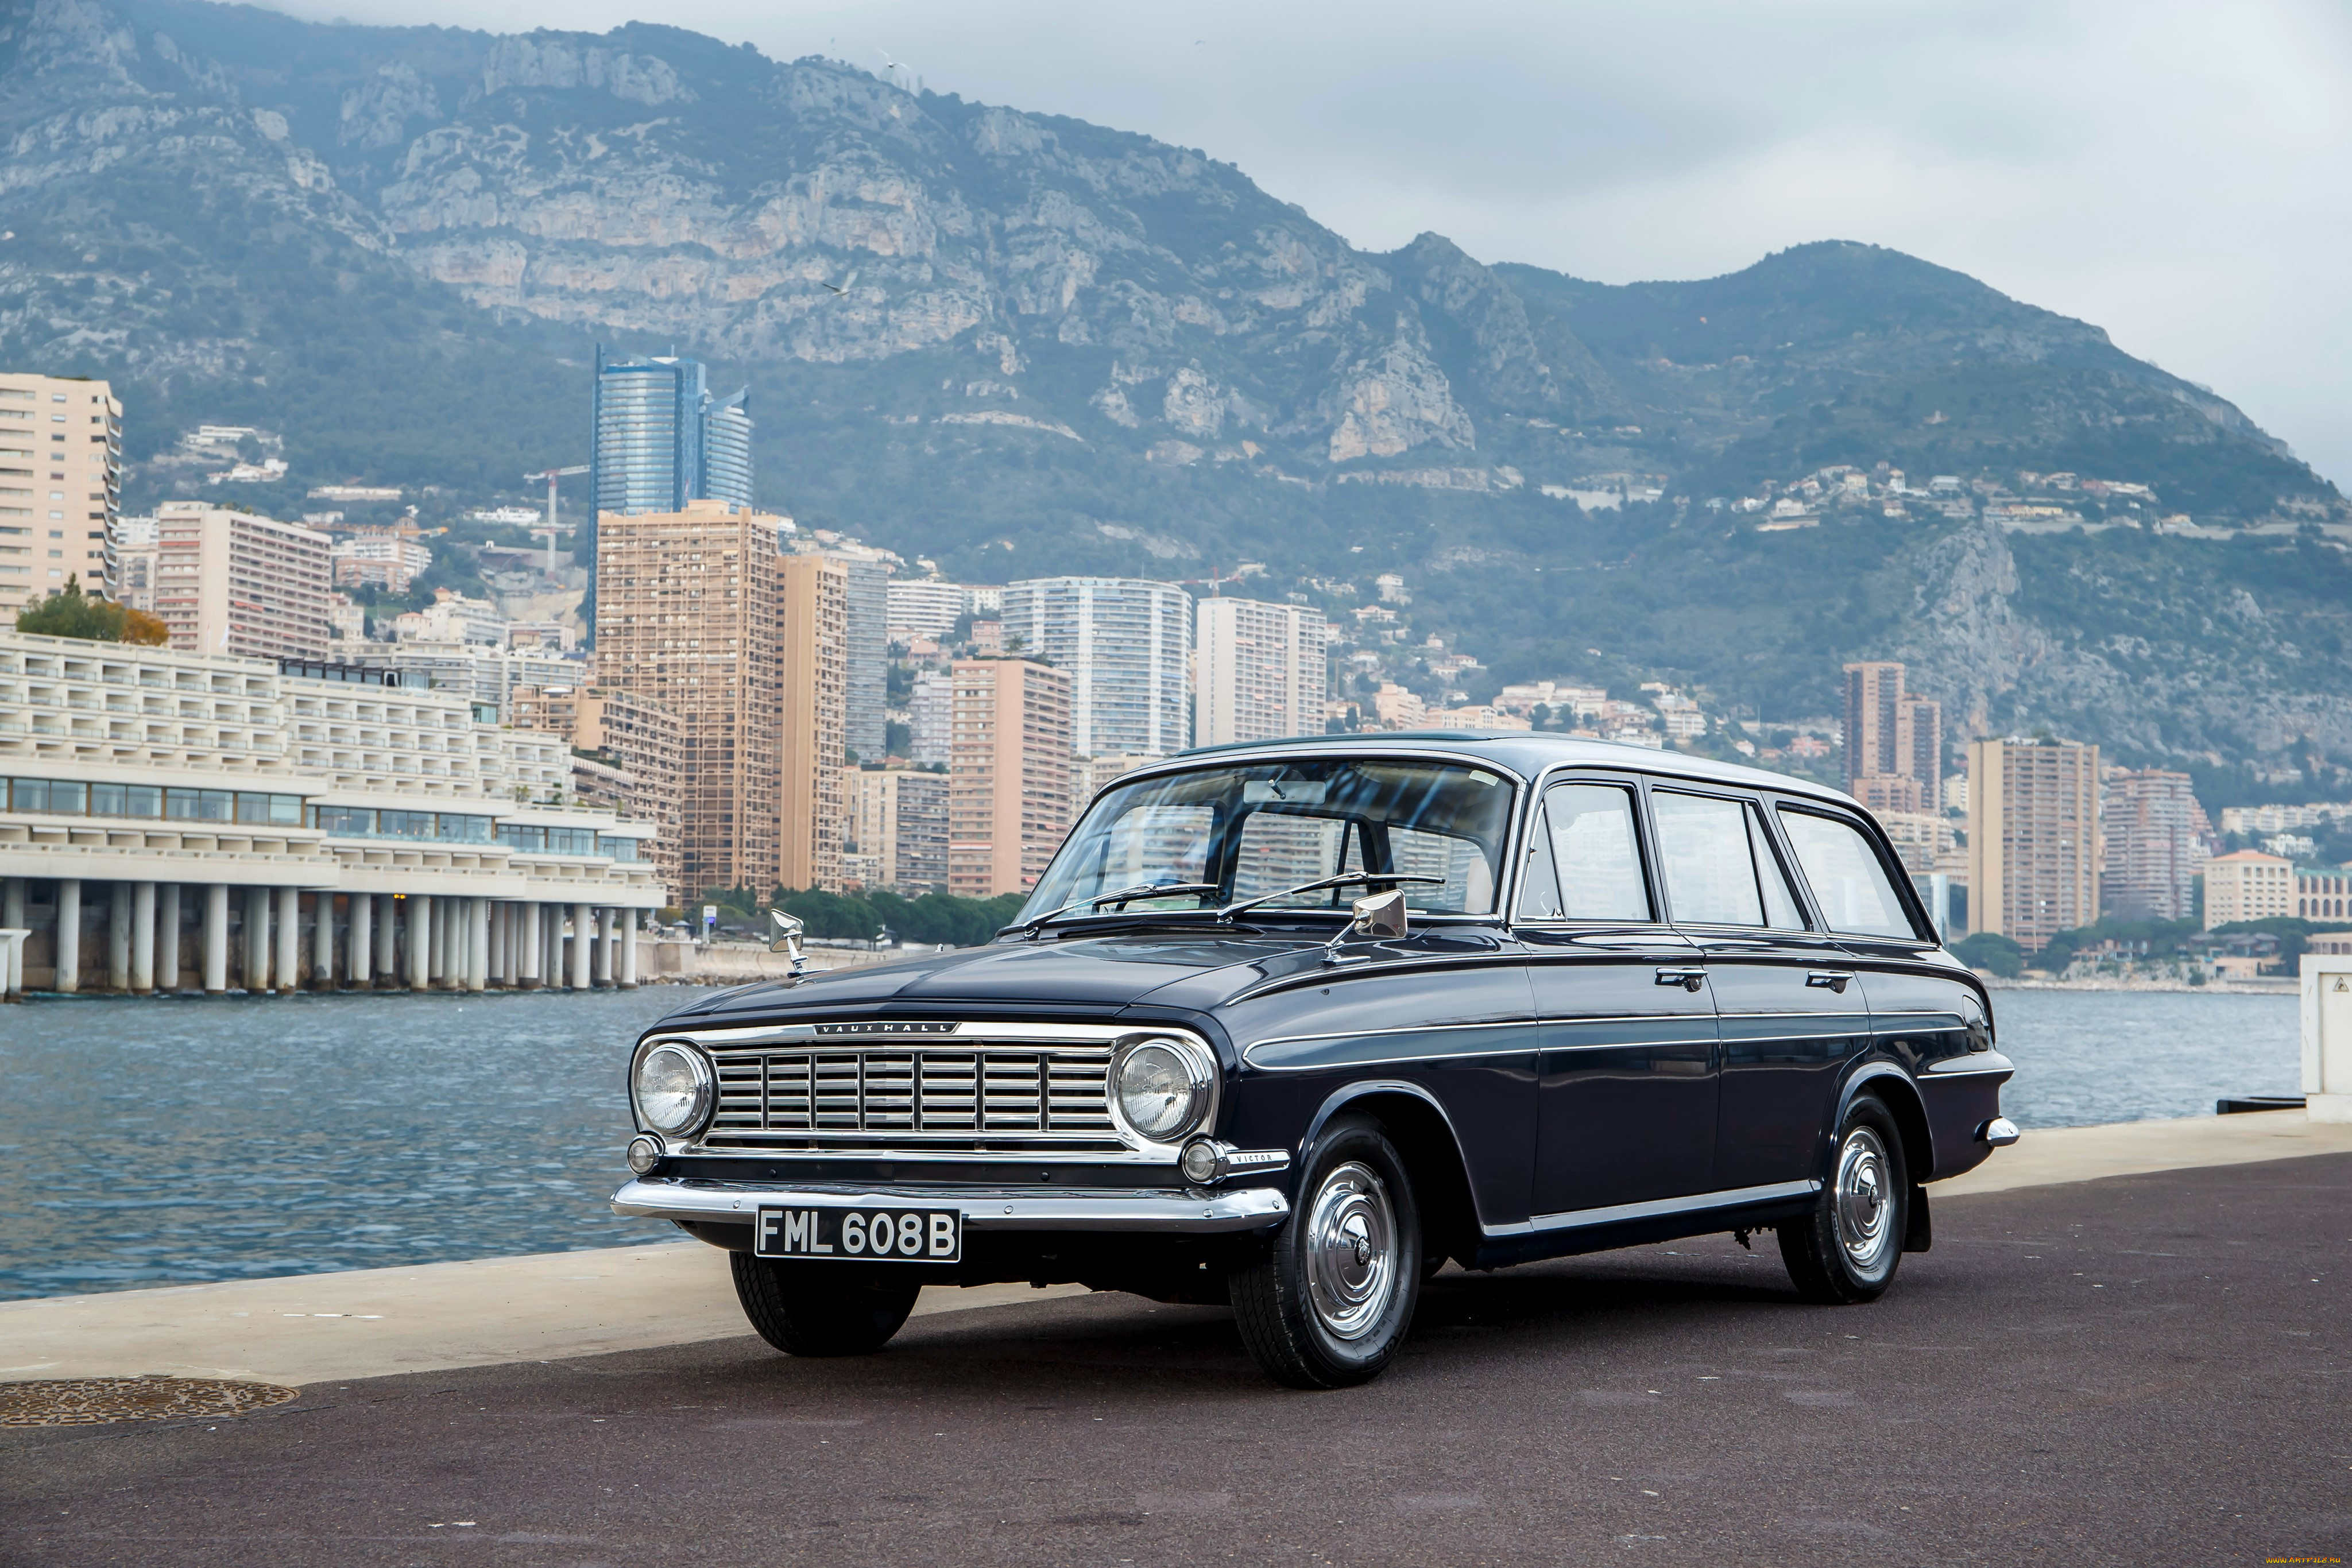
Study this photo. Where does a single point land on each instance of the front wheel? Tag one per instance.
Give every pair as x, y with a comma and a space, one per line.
821, 1309
1846, 1249
1326, 1302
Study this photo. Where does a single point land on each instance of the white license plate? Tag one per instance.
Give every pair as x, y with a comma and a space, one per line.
864, 1234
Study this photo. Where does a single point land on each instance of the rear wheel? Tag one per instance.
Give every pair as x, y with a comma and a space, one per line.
1327, 1299
820, 1309
1846, 1250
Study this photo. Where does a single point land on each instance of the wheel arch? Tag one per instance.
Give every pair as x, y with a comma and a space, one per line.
1424, 1137
1892, 1087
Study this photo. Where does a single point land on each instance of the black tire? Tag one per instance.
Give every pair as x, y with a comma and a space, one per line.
1847, 1248
1336, 1319
820, 1309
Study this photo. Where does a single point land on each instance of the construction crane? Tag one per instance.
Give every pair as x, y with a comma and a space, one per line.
551, 476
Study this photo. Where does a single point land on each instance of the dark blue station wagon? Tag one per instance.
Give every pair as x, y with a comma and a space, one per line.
1287, 1025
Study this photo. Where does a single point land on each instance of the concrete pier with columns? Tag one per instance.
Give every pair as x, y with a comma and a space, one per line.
217, 938
175, 821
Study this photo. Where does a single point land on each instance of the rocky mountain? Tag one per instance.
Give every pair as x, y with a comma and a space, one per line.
1017, 343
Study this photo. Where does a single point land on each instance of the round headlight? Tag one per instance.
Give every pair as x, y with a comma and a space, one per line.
1161, 1088
673, 1089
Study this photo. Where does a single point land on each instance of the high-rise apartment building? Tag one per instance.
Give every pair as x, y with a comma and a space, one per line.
1008, 774
931, 714
231, 582
1126, 644
1262, 671
866, 722
60, 485
899, 816
2034, 838
1893, 741
661, 439
2155, 832
815, 671
690, 616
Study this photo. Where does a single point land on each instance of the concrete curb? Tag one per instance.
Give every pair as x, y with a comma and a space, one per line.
376, 1323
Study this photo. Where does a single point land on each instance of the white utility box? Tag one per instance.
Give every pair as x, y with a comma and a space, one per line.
2328, 1036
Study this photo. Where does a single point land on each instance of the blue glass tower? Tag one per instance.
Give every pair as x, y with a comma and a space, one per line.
661, 439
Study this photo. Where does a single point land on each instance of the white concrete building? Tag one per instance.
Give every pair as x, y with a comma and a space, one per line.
489, 676
1127, 646
930, 713
181, 821
388, 561
1262, 671
130, 562
925, 608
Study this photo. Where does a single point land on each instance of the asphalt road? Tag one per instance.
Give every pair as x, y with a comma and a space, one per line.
2151, 1369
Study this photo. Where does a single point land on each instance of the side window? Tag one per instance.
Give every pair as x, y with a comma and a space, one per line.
1586, 863
1710, 873
1847, 880
1780, 911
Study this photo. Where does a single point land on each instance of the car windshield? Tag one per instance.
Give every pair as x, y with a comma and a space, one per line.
1253, 829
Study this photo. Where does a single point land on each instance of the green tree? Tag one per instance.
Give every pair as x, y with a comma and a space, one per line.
1992, 953
937, 917
70, 613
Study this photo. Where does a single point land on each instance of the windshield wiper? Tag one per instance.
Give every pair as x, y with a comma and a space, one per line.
1124, 895
1225, 915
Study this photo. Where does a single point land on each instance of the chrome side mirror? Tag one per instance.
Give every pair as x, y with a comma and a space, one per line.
1381, 918
788, 938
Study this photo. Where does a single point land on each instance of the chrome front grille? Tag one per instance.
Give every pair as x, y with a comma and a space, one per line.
976, 1097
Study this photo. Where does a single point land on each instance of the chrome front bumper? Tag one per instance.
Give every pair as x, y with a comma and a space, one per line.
1148, 1209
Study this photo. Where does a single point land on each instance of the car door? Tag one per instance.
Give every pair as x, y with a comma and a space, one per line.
1919, 1011
1626, 1089
1789, 1013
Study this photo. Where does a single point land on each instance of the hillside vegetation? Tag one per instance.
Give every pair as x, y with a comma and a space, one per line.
1063, 347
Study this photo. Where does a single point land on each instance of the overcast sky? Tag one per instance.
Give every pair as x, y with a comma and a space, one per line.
2179, 171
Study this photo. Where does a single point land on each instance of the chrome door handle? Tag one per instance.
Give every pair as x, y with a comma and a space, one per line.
1688, 980
1830, 980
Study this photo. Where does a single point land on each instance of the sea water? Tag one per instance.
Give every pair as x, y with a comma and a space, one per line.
167, 1142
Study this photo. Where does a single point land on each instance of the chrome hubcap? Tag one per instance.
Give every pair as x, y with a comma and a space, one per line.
1350, 1251
1866, 1206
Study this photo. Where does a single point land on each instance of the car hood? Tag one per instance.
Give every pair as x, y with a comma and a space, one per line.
1093, 974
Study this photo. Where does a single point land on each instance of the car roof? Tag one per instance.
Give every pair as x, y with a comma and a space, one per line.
1525, 753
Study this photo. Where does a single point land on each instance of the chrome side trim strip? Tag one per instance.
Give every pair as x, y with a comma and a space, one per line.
1656, 1209
1311, 1053
1164, 1209
1163, 1156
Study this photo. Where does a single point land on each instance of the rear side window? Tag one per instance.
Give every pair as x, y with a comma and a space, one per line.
1848, 883
1710, 871
1721, 869
1585, 863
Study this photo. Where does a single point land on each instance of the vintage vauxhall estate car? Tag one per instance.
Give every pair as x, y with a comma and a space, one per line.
1287, 1025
